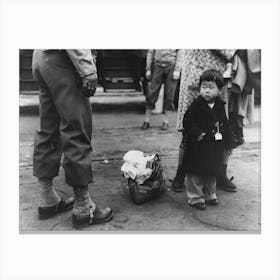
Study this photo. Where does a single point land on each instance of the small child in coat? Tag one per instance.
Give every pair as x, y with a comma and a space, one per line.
208, 134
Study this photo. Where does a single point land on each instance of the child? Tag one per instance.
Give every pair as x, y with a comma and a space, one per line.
208, 134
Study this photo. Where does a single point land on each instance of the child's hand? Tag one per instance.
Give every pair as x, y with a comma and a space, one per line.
201, 136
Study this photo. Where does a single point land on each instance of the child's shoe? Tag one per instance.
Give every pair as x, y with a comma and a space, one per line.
199, 205
178, 186
213, 202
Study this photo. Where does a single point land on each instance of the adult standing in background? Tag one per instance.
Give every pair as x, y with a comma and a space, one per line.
66, 79
163, 67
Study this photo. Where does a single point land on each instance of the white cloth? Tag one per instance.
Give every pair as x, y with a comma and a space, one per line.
135, 166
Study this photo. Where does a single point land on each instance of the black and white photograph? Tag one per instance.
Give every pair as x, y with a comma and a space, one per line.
140, 140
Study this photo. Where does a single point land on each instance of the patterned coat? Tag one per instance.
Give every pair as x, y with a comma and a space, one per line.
195, 62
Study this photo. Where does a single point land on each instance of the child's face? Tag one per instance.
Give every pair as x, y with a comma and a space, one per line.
209, 90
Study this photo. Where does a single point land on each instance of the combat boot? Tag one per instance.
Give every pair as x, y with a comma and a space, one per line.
86, 212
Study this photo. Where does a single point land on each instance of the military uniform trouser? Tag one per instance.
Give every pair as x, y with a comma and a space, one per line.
65, 120
162, 74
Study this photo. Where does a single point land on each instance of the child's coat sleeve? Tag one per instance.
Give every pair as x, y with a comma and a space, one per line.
189, 124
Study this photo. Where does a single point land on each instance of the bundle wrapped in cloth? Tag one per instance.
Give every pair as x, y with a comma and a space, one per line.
137, 166
144, 174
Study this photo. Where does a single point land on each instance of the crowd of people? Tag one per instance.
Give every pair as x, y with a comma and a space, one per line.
217, 88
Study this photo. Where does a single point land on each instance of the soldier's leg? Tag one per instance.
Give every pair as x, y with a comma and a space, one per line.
76, 118
47, 151
76, 128
47, 144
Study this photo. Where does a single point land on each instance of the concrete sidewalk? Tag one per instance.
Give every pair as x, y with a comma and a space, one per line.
114, 134
111, 101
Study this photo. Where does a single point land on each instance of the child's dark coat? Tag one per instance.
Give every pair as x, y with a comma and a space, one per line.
205, 157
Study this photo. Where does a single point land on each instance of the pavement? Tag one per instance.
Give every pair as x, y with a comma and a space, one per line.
117, 118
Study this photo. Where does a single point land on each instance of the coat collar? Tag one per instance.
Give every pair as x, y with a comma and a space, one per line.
218, 100
205, 107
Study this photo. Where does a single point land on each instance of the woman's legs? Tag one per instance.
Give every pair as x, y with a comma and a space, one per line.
223, 182
178, 182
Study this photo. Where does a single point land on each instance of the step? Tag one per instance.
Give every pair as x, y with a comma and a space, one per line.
29, 92
25, 61
118, 74
122, 63
28, 85
26, 73
120, 85
26, 51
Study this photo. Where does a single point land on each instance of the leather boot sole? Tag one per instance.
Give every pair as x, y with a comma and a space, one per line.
81, 221
199, 205
213, 202
227, 189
